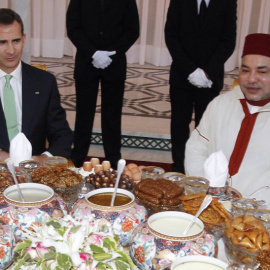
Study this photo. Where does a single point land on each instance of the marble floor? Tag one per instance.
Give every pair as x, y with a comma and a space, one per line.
146, 109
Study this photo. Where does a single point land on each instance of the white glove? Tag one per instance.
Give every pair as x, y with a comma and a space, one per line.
198, 79
98, 64
101, 59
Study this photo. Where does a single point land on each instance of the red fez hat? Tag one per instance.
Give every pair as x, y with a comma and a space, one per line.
257, 44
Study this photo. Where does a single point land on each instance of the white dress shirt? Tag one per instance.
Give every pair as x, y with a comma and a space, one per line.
199, 4
198, 77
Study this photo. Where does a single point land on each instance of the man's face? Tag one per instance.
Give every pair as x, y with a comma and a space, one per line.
11, 46
254, 77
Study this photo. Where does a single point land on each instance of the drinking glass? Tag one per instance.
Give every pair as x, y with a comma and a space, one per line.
195, 185
56, 161
151, 172
244, 206
27, 167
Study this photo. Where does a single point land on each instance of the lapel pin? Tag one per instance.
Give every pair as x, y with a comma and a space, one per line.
37, 93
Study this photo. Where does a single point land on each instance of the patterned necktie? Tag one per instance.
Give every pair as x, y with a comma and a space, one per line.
10, 109
202, 10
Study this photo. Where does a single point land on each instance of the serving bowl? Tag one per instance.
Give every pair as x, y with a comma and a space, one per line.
264, 216
214, 216
245, 237
107, 179
40, 203
157, 243
239, 254
56, 161
241, 206
64, 181
7, 244
198, 262
124, 219
153, 209
6, 178
159, 195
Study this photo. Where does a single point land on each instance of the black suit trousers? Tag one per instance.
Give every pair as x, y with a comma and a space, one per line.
111, 111
183, 102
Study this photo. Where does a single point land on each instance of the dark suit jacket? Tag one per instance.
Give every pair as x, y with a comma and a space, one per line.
42, 115
102, 25
207, 46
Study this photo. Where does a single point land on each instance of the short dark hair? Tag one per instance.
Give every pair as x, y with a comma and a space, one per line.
8, 16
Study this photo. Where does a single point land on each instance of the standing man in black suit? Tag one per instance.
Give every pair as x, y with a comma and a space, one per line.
102, 31
36, 100
200, 36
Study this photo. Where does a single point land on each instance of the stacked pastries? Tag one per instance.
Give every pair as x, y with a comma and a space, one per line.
214, 214
245, 237
56, 177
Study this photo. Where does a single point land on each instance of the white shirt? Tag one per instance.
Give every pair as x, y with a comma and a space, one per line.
16, 84
199, 4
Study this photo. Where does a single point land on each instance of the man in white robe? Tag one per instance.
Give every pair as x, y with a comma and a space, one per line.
238, 123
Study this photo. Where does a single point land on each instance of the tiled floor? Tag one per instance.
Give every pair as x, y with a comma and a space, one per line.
146, 109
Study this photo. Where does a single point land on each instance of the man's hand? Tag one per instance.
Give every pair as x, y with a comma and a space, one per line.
40, 158
3, 155
101, 59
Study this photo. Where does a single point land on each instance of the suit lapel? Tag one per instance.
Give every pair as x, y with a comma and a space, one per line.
107, 4
4, 141
212, 8
193, 12
193, 6
29, 98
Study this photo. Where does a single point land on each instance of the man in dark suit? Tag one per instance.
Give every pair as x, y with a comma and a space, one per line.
102, 32
37, 108
199, 43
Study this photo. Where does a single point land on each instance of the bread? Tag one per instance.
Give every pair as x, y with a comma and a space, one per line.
134, 171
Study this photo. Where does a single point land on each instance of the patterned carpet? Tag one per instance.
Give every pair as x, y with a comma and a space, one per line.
146, 109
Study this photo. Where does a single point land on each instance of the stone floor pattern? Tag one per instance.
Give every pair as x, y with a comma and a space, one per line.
146, 109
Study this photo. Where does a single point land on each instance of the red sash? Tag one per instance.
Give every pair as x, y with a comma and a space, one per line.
242, 140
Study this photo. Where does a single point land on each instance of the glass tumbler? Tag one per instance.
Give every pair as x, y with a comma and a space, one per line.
195, 185
244, 206
173, 176
56, 161
27, 167
151, 172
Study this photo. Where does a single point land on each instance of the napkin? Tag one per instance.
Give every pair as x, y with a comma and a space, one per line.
20, 149
198, 79
216, 169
